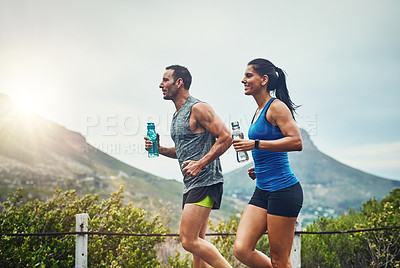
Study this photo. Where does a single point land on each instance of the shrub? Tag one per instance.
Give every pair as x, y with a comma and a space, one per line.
363, 249
224, 243
58, 215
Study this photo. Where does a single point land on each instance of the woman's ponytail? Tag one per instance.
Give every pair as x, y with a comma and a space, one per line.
276, 81
281, 91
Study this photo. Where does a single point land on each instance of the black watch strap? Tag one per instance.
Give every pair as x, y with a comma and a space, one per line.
256, 143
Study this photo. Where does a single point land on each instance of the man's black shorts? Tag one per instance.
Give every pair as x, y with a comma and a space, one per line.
286, 202
199, 193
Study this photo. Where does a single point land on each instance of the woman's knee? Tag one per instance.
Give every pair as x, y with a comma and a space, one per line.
278, 259
241, 251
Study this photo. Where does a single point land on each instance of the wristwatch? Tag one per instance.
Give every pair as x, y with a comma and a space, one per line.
256, 143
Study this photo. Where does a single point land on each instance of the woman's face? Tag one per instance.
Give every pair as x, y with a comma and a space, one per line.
253, 82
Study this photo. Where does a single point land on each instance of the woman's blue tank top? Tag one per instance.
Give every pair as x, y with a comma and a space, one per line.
272, 168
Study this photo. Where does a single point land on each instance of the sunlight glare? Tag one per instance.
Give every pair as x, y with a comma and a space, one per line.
26, 104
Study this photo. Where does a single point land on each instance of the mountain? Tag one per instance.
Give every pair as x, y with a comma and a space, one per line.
40, 155
329, 186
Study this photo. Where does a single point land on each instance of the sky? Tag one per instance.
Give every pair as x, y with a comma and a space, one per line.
95, 67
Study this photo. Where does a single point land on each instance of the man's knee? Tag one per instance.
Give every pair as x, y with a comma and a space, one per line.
187, 243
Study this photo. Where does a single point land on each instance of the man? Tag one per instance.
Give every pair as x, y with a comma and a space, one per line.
200, 137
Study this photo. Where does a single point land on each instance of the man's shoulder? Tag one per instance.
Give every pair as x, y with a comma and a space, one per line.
194, 99
198, 102
201, 107
202, 111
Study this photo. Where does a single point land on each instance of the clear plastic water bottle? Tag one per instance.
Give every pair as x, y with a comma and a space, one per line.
237, 134
152, 135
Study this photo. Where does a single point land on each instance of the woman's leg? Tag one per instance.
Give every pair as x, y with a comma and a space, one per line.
252, 226
280, 236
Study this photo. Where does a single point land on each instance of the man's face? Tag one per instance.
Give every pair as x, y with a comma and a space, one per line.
168, 86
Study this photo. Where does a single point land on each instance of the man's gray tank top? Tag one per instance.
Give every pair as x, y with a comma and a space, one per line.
191, 146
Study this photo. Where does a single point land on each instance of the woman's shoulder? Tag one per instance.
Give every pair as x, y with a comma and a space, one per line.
278, 105
278, 109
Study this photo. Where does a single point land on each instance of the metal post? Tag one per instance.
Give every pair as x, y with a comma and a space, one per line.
81, 241
295, 254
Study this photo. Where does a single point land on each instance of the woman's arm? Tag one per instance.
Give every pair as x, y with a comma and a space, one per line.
278, 114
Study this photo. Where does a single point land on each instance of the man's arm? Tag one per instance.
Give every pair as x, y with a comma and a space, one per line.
205, 118
165, 151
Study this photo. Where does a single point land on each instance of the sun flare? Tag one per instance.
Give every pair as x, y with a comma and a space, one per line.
26, 104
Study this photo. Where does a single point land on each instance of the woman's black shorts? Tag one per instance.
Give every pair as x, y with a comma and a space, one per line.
286, 202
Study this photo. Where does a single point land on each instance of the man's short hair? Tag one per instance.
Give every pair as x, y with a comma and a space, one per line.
183, 73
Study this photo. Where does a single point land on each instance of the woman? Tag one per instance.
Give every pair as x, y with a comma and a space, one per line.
278, 196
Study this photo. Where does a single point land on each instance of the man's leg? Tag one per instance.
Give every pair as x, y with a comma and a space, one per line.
197, 261
193, 225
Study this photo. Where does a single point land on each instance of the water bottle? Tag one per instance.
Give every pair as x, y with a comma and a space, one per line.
237, 134
152, 135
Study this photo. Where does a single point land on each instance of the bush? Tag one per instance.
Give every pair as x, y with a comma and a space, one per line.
224, 243
330, 250
382, 247
363, 249
58, 215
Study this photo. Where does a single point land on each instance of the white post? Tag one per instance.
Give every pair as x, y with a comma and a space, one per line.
295, 254
81, 241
